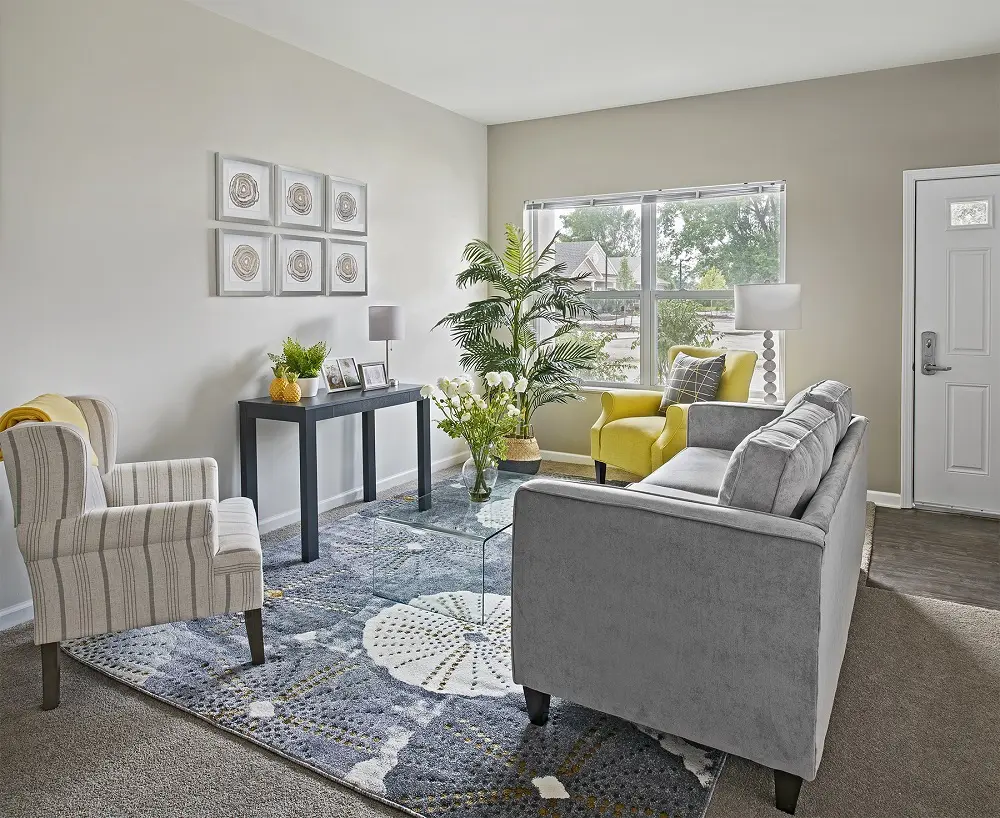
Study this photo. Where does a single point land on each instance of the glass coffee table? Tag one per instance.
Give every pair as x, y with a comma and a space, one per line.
449, 557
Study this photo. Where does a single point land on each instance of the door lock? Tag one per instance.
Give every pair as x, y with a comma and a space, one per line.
928, 354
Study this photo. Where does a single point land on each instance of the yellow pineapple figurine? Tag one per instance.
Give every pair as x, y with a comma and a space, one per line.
278, 384
292, 392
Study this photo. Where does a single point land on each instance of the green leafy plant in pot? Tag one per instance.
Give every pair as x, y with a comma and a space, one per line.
500, 333
302, 361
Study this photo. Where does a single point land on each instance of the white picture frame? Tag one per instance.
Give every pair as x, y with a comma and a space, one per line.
347, 267
373, 375
299, 265
299, 198
348, 206
349, 371
244, 262
334, 377
243, 190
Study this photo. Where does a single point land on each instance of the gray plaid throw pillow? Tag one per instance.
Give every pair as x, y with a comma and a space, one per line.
692, 379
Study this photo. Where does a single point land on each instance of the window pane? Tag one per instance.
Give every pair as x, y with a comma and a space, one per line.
708, 324
601, 244
715, 244
616, 331
970, 213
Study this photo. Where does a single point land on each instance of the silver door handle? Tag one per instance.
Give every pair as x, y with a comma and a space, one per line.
928, 353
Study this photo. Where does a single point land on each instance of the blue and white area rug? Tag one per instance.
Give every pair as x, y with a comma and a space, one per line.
408, 705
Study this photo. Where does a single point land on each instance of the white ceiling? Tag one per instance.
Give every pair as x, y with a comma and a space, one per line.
505, 60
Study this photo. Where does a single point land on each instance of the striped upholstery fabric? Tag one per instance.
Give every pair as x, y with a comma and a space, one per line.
102, 423
163, 550
165, 481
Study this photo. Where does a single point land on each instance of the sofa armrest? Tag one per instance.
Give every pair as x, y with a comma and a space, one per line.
693, 619
719, 425
162, 481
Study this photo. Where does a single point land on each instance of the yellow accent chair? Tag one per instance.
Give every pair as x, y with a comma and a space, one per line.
631, 434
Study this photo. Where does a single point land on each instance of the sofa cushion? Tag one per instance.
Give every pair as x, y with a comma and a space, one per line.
673, 494
692, 379
778, 468
697, 470
833, 396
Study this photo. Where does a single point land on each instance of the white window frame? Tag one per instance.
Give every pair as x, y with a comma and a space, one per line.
648, 295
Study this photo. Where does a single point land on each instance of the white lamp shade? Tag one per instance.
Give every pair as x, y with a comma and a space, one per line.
385, 323
768, 306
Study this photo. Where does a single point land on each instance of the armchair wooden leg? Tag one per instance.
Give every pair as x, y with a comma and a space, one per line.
255, 635
50, 676
786, 791
602, 471
538, 706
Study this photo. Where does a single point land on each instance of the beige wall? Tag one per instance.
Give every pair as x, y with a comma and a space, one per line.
110, 113
841, 144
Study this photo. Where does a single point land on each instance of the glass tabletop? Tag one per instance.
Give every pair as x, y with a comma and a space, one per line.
453, 513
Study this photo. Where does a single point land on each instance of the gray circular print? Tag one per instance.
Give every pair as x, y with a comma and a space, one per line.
299, 199
300, 265
243, 190
347, 207
347, 268
246, 262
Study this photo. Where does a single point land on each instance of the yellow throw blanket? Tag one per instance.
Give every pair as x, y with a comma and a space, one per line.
48, 409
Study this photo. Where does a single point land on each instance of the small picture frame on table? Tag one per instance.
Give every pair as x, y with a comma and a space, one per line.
335, 380
299, 266
373, 375
349, 371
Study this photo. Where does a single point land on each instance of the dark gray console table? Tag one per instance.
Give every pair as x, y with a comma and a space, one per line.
307, 413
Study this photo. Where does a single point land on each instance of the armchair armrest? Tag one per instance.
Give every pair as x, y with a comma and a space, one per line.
162, 481
192, 524
719, 425
622, 403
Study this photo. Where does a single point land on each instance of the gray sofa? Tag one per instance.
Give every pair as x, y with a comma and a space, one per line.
712, 600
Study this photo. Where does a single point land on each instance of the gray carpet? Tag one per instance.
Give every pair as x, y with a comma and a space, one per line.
915, 732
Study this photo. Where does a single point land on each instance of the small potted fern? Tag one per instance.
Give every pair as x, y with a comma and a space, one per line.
304, 362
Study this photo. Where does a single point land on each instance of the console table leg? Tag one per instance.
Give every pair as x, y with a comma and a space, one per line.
309, 489
248, 457
368, 454
424, 454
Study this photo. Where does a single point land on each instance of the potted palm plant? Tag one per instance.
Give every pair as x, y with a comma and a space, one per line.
501, 333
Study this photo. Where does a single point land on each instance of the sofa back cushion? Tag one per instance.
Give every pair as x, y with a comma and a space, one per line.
777, 468
833, 396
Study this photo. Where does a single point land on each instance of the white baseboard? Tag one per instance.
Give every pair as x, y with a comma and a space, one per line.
568, 457
885, 498
356, 494
16, 615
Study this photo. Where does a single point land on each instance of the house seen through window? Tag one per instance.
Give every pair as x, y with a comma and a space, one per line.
659, 269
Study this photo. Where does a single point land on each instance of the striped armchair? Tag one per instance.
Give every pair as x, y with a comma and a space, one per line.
113, 546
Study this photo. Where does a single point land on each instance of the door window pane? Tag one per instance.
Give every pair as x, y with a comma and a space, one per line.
715, 244
970, 213
616, 332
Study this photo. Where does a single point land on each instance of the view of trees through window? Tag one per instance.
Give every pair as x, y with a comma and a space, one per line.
702, 245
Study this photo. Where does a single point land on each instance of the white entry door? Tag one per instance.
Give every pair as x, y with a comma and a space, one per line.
956, 421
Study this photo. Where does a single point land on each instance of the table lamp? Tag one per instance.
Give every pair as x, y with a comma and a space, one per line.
386, 324
769, 307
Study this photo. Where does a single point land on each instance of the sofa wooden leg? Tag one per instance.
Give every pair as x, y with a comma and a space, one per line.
538, 706
601, 469
50, 676
255, 635
786, 791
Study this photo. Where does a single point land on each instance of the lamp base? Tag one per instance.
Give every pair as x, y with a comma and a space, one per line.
770, 389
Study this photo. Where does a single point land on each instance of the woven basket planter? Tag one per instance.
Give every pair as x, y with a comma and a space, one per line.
523, 456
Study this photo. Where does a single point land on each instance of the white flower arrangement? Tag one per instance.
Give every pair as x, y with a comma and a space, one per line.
483, 420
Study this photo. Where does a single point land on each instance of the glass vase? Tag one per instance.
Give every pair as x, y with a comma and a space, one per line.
479, 473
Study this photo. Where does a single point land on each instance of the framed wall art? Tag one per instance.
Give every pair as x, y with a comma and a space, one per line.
243, 190
299, 198
298, 268
348, 267
348, 206
243, 262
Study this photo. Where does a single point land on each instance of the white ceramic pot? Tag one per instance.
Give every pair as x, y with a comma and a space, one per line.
309, 386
